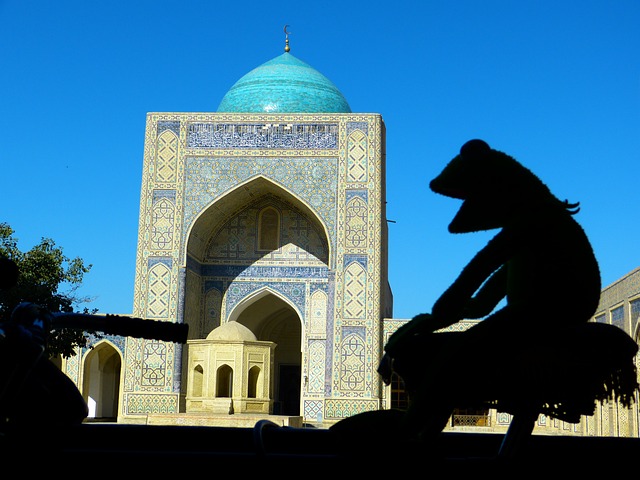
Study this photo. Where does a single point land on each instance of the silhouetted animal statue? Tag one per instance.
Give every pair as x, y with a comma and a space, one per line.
533, 287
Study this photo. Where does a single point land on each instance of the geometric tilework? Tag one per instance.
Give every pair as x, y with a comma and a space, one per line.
317, 327
362, 127
340, 408
162, 220
504, 418
357, 157
148, 404
316, 362
313, 409
356, 223
355, 288
352, 363
212, 309
158, 287
167, 154
73, 367
171, 125
154, 363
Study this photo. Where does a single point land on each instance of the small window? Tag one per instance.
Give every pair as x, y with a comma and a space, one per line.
617, 317
634, 305
399, 397
268, 229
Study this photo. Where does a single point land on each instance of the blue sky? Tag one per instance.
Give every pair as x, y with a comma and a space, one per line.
555, 84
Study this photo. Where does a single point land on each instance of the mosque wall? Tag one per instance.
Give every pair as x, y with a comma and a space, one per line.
620, 306
330, 166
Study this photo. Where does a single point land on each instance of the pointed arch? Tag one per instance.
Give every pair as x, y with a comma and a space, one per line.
197, 381
101, 379
224, 381
256, 295
254, 389
224, 207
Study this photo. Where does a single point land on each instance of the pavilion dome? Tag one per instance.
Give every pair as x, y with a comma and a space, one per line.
284, 84
232, 332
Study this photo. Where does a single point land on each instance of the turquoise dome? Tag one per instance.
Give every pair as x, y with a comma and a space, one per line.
284, 85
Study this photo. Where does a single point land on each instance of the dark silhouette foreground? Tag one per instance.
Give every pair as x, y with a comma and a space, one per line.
537, 354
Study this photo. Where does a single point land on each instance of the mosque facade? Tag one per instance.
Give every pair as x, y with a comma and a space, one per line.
268, 213
263, 228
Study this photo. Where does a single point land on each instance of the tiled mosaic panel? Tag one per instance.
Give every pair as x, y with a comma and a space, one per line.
295, 136
150, 365
167, 154
340, 408
163, 219
147, 404
317, 352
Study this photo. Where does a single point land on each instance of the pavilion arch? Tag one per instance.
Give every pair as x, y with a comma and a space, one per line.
225, 207
253, 387
101, 380
197, 381
224, 382
273, 317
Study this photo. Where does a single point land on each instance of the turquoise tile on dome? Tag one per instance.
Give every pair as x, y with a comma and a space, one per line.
284, 84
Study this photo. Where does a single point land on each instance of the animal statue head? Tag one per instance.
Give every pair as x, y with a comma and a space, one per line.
494, 187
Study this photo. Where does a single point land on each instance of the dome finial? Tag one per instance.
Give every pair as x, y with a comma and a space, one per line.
286, 46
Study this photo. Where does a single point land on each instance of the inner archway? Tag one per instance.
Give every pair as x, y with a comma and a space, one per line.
272, 319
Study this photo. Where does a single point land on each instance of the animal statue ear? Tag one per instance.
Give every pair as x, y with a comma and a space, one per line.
475, 149
464, 173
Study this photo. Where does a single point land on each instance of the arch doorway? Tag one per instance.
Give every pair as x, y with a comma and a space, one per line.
272, 319
101, 381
